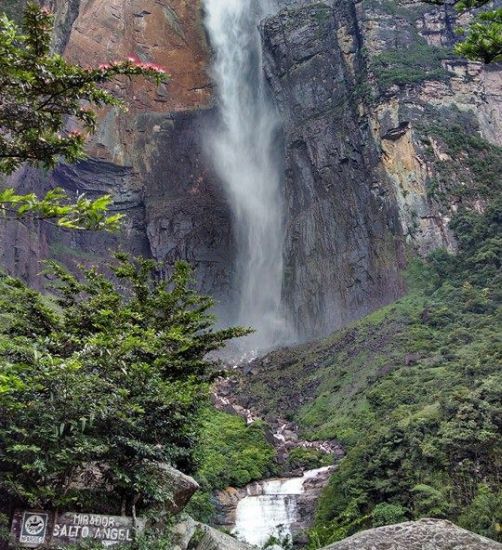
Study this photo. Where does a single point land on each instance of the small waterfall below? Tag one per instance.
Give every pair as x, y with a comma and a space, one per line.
271, 508
242, 149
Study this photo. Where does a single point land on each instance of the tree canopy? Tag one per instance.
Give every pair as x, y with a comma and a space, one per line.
108, 381
483, 36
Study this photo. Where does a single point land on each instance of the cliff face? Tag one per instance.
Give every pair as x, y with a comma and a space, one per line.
359, 86
150, 157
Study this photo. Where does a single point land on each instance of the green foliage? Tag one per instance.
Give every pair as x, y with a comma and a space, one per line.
387, 514
308, 459
413, 391
284, 542
472, 170
230, 453
410, 65
429, 502
56, 205
109, 384
233, 453
483, 39
39, 93
436, 430
151, 539
484, 514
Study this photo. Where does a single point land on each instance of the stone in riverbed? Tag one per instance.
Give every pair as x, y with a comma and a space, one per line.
426, 534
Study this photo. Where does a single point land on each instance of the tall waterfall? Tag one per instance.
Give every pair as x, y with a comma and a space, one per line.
242, 149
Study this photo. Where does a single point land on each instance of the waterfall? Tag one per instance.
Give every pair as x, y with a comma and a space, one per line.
242, 150
274, 511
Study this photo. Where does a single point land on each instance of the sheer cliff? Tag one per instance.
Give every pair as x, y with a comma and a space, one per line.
371, 99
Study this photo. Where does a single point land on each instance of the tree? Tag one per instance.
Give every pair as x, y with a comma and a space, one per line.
483, 39
483, 36
108, 385
40, 92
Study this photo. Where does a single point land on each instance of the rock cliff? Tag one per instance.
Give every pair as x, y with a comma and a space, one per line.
361, 88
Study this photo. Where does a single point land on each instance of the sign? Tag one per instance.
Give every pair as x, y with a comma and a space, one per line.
49, 529
33, 529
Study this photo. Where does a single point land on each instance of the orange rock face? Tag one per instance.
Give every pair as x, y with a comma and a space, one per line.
166, 32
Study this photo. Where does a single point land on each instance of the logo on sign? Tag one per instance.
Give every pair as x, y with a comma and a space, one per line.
34, 528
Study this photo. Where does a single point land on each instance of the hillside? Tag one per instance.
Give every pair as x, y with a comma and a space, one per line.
412, 392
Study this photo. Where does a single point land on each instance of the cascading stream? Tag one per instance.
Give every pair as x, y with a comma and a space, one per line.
242, 149
274, 511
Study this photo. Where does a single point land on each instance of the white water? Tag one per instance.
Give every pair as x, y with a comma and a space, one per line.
242, 150
273, 511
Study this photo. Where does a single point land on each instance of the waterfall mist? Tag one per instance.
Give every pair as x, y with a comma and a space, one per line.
242, 150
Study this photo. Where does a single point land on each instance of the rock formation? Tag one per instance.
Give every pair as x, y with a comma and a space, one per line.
435, 534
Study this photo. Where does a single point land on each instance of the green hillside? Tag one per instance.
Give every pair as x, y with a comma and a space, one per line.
413, 391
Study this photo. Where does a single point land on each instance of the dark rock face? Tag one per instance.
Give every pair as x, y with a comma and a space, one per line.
416, 535
359, 86
343, 248
186, 213
174, 208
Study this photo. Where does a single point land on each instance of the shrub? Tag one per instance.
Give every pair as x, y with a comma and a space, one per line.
410, 65
387, 514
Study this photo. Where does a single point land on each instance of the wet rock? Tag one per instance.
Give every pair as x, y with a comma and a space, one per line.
433, 534
225, 505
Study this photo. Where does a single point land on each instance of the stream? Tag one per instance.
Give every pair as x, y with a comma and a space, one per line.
277, 507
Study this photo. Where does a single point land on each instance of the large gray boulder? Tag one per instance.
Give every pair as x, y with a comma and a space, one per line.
197, 536
92, 477
182, 487
425, 534
207, 538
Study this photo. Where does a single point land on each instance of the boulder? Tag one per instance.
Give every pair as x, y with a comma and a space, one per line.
207, 538
425, 534
183, 533
182, 486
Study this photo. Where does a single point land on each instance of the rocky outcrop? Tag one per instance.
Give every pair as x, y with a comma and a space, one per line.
359, 86
343, 247
182, 487
416, 535
192, 535
207, 538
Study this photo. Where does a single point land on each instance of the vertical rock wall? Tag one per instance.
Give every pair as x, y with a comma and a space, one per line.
361, 86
